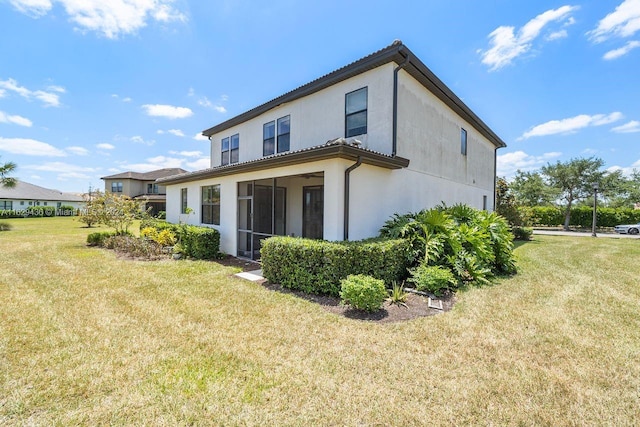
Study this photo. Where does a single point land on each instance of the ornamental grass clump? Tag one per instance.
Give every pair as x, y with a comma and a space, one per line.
363, 292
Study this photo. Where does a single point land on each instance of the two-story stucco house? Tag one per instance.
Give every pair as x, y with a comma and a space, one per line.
141, 185
335, 158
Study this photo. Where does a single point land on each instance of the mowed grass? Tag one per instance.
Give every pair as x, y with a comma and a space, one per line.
90, 339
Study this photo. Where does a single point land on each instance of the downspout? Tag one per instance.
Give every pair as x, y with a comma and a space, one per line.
394, 141
347, 185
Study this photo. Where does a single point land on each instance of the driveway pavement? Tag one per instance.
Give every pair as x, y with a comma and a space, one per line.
584, 234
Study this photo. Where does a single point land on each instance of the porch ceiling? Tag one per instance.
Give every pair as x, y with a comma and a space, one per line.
323, 152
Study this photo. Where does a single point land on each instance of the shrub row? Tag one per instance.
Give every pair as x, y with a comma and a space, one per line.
583, 216
317, 266
99, 237
193, 241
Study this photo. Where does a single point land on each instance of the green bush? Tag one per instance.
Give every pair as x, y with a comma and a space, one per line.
195, 242
200, 242
522, 233
99, 238
363, 292
433, 278
474, 244
317, 267
65, 210
5, 226
582, 216
161, 215
40, 211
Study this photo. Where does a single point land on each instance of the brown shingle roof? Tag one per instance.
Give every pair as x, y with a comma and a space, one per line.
25, 191
147, 176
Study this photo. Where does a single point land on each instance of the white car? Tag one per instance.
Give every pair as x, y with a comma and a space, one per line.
627, 229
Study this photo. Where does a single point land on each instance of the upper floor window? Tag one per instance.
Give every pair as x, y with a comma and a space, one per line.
463, 142
116, 187
283, 134
356, 113
230, 150
152, 188
271, 143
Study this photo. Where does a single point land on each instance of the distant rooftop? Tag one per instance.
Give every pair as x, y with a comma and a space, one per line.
25, 191
147, 176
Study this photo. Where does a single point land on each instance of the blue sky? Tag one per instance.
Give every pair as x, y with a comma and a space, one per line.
90, 88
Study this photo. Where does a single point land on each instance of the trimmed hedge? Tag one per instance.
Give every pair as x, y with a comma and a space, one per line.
99, 237
363, 292
317, 267
583, 216
196, 242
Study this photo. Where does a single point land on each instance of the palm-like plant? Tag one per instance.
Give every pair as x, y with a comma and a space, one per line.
5, 170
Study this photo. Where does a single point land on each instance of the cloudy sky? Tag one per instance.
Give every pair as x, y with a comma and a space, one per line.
89, 88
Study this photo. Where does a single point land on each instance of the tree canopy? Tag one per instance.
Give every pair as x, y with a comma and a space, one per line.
5, 170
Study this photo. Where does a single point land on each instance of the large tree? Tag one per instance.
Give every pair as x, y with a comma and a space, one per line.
5, 170
530, 189
574, 179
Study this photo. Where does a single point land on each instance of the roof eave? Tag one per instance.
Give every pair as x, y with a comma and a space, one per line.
317, 154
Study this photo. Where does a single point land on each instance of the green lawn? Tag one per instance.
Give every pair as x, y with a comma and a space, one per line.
90, 339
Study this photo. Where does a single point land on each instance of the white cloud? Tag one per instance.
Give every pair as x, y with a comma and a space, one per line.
49, 99
571, 125
15, 119
64, 176
624, 21
509, 163
176, 132
111, 18
204, 163
626, 170
557, 35
154, 163
105, 146
187, 153
617, 53
79, 151
200, 137
127, 99
29, 147
204, 102
631, 127
56, 88
220, 109
140, 140
506, 45
33, 8
59, 166
167, 111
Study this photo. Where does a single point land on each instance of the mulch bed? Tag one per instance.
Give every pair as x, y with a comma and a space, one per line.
415, 306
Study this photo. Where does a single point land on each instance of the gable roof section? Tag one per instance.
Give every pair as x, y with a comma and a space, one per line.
396, 52
330, 150
147, 176
25, 191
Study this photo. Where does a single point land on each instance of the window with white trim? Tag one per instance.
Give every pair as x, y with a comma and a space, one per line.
211, 204
356, 113
280, 142
230, 150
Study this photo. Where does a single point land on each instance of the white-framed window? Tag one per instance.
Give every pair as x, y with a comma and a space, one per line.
211, 204
230, 149
356, 112
280, 142
116, 187
183, 200
152, 188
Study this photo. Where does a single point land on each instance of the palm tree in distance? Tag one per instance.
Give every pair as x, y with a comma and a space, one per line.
5, 170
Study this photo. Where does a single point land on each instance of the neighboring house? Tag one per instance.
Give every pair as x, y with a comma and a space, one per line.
25, 195
142, 185
335, 158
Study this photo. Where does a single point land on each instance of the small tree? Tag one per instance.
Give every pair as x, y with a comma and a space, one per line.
112, 210
94, 206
